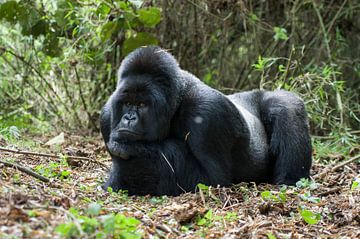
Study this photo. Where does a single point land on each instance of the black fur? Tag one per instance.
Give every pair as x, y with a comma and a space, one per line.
167, 131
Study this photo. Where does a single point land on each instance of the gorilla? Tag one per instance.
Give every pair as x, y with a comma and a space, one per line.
167, 131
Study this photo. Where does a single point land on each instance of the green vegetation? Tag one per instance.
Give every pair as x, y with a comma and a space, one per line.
95, 226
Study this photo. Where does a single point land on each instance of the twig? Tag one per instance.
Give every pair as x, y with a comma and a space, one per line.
333, 190
336, 167
25, 170
322, 26
16, 151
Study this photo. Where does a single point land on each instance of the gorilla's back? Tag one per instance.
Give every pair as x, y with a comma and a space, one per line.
248, 105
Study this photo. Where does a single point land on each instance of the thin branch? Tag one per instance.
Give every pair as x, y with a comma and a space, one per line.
16, 151
333, 190
50, 87
322, 26
25, 170
83, 99
336, 167
336, 16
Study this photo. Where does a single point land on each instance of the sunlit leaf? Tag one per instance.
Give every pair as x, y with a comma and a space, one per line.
138, 40
150, 17
310, 217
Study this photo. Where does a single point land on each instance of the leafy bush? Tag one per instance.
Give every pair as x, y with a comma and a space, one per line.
64, 55
104, 226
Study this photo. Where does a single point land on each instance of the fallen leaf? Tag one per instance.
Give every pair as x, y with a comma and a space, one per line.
59, 139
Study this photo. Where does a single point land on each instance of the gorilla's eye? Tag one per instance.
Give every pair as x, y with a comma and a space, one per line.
127, 103
142, 105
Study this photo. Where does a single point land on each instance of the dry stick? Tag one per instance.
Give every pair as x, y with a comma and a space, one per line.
16, 151
333, 190
336, 167
25, 170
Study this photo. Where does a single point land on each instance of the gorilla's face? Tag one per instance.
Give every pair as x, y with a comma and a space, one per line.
139, 110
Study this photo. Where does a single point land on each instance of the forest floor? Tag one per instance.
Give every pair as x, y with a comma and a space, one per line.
73, 205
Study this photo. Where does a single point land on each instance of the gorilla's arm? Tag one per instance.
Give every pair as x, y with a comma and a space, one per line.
167, 168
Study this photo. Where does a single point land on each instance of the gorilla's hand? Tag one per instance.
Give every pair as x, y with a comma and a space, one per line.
128, 150
118, 149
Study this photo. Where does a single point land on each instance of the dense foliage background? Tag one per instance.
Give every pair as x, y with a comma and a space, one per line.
59, 58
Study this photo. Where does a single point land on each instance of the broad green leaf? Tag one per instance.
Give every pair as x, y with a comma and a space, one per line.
150, 17
103, 9
138, 40
310, 217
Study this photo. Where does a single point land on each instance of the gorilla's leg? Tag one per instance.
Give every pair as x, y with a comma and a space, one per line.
286, 124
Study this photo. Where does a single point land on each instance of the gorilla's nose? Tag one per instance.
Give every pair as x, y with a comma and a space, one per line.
130, 119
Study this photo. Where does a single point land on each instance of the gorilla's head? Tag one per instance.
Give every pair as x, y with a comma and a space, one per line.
146, 97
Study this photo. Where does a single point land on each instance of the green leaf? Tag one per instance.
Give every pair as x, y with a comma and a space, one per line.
108, 222
306, 183
307, 197
65, 12
138, 40
201, 222
202, 187
280, 33
73, 211
65, 174
270, 235
109, 190
67, 230
107, 30
103, 9
150, 17
282, 196
28, 17
310, 217
209, 215
93, 209
355, 184
266, 194
130, 235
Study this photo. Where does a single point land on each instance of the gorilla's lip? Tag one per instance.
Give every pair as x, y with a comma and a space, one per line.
130, 132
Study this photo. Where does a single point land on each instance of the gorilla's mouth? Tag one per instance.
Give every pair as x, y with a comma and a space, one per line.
125, 131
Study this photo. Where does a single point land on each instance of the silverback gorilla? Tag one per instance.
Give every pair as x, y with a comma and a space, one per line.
167, 131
